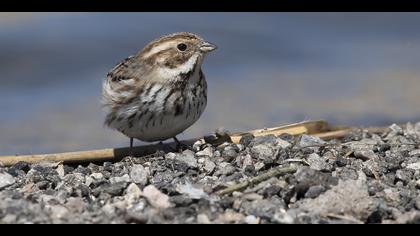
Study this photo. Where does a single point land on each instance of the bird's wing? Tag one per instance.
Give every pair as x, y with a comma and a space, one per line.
124, 82
129, 69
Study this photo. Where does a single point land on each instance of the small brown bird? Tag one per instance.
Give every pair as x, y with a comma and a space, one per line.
159, 92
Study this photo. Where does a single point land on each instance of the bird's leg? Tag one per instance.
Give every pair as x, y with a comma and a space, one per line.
130, 151
180, 146
162, 148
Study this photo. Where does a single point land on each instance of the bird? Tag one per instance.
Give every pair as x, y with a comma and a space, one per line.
160, 91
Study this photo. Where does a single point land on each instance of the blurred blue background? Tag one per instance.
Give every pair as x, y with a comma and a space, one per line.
270, 69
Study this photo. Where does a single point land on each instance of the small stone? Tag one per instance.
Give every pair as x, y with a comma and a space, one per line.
365, 154
252, 196
282, 143
191, 191
60, 170
97, 176
6, 180
155, 197
414, 166
198, 144
115, 189
209, 166
203, 219
246, 139
314, 191
76, 204
170, 156
188, 158
21, 165
341, 161
9, 219
417, 203
230, 216
316, 162
208, 151
250, 219
265, 208
283, 217
418, 184
89, 181
415, 152
133, 192
226, 168
262, 152
391, 195
121, 179
349, 197
259, 165
137, 213
240, 147
395, 130
57, 211
309, 141
139, 175
229, 154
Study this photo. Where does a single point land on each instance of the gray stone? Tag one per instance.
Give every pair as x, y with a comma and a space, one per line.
203, 219
415, 152
314, 191
226, 168
250, 219
132, 194
265, 208
155, 197
6, 180
308, 141
120, 179
262, 151
282, 143
365, 154
191, 191
188, 158
414, 166
57, 211
139, 175
208, 151
76, 204
417, 202
316, 162
349, 197
209, 166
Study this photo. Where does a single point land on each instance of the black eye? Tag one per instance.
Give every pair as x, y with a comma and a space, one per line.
182, 47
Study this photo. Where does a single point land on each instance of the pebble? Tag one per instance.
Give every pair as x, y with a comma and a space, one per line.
208, 151
414, 166
6, 180
377, 183
155, 197
188, 158
139, 175
203, 219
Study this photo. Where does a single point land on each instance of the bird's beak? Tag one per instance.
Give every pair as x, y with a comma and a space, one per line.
207, 47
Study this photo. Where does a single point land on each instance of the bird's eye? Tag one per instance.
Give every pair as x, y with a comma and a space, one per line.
182, 47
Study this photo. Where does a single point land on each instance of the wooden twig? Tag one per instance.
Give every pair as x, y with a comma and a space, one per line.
337, 133
307, 127
258, 179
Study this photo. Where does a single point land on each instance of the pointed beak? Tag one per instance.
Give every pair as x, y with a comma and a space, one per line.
207, 47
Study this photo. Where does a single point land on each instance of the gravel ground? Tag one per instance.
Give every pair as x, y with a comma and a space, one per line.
363, 178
